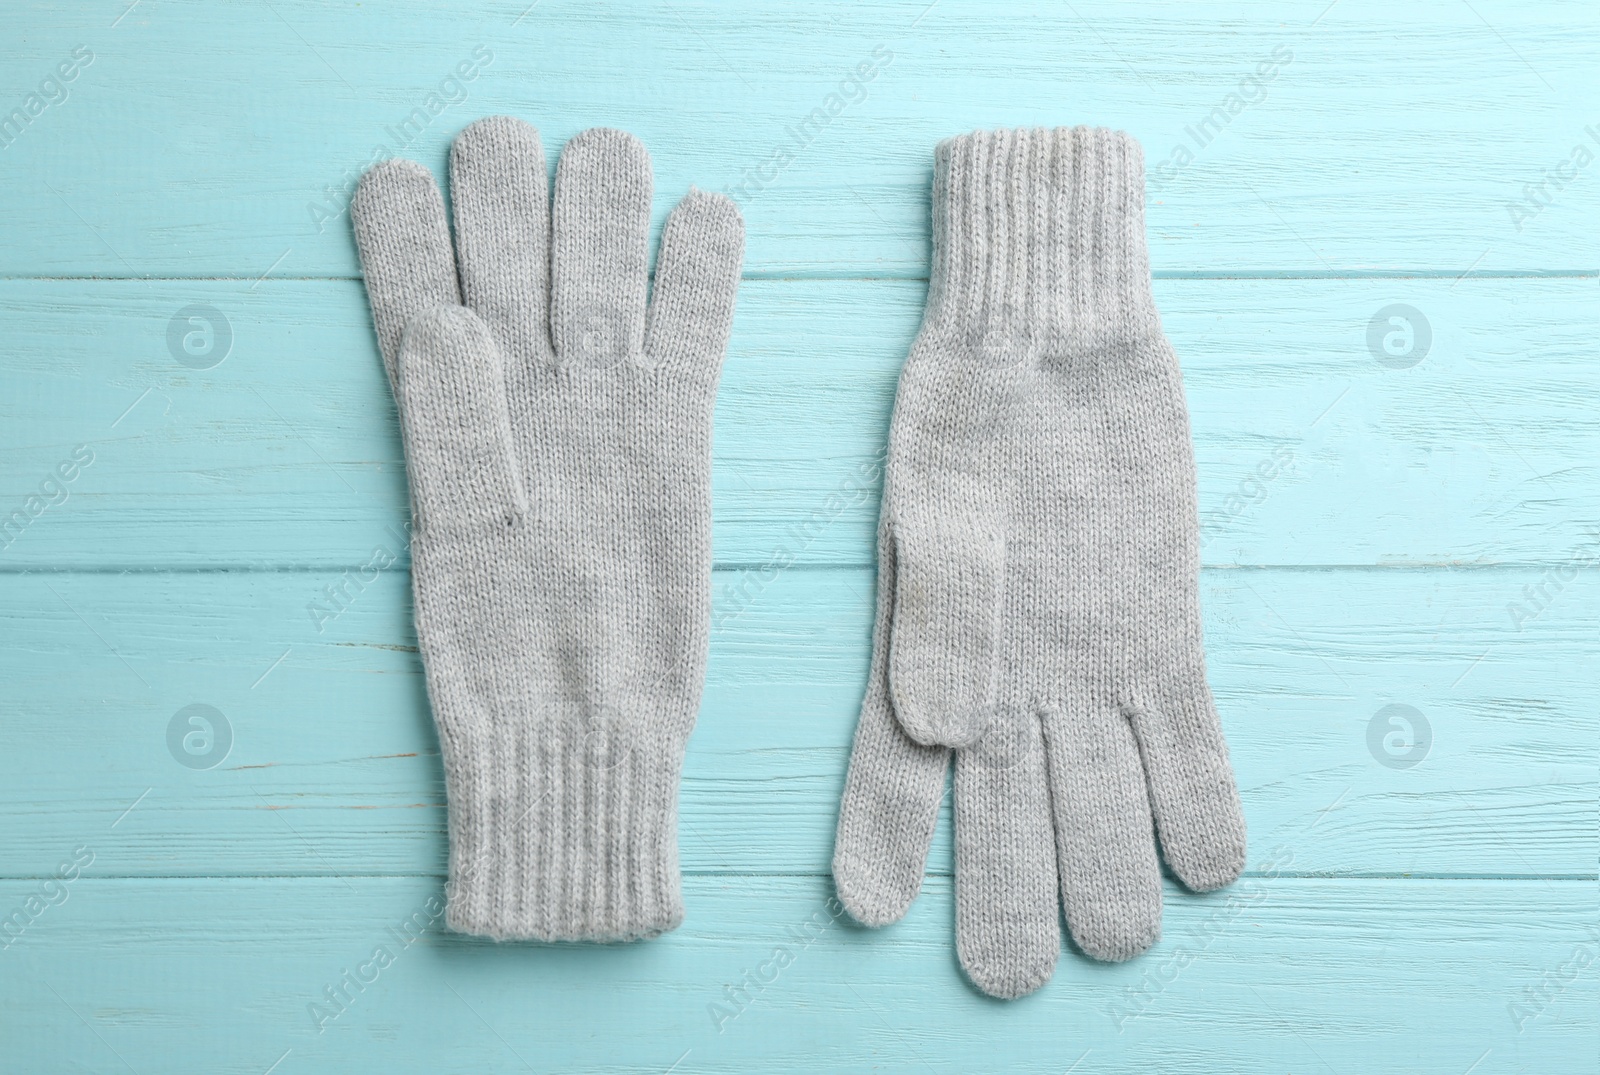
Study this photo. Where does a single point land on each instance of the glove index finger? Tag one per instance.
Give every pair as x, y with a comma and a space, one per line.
892, 794
404, 241
887, 816
1008, 932
697, 276
502, 212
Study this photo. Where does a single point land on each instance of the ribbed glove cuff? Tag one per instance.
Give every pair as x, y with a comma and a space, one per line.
563, 838
1038, 237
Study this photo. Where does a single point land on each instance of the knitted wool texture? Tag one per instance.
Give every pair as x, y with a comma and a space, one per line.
1038, 560
558, 448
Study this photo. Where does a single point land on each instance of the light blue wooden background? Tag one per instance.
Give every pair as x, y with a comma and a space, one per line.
1421, 535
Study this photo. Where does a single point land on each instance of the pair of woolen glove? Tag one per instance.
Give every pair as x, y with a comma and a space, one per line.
1038, 551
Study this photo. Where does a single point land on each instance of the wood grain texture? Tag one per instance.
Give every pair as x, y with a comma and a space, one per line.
1281, 974
334, 767
1392, 139
1376, 534
1309, 450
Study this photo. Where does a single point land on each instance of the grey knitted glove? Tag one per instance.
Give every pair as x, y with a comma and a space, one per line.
558, 449
1038, 559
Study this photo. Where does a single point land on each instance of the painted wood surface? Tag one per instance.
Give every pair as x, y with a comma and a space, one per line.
334, 766
1393, 137
1414, 527
1276, 975
1310, 451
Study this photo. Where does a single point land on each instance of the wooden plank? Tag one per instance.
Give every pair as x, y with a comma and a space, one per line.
170, 157
1283, 974
1310, 451
1387, 543
333, 764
